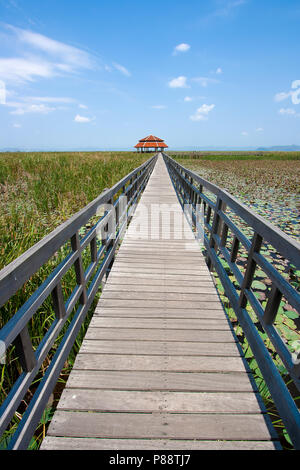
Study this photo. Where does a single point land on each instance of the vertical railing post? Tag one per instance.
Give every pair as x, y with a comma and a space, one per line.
79, 272
272, 305
250, 269
214, 230
58, 301
24, 350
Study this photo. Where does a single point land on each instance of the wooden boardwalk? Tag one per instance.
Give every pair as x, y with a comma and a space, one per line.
159, 367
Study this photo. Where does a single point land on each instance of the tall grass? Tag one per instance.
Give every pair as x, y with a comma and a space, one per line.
223, 156
38, 192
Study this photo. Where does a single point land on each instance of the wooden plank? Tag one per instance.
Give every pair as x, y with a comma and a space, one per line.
181, 323
165, 276
148, 280
158, 269
160, 348
153, 258
156, 334
207, 289
211, 296
164, 425
69, 443
153, 380
159, 263
136, 362
149, 303
142, 312
171, 402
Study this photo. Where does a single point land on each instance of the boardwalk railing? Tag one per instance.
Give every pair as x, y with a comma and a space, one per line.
90, 229
223, 217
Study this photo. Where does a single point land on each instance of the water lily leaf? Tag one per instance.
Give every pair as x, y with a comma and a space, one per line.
258, 285
290, 314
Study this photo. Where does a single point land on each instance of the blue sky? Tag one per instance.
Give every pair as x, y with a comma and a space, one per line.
96, 74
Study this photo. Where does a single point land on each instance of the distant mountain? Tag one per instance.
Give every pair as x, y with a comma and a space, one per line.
280, 148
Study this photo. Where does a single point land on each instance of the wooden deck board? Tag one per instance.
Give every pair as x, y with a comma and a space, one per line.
69, 443
139, 362
159, 426
174, 348
143, 402
159, 367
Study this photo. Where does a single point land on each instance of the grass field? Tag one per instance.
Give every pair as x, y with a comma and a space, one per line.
39, 191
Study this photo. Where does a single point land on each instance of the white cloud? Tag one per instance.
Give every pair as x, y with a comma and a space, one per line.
281, 96
50, 99
204, 81
68, 54
244, 133
2, 92
16, 125
37, 104
183, 47
83, 106
15, 69
32, 108
188, 99
259, 129
287, 111
202, 112
44, 58
80, 119
219, 71
121, 69
179, 82
294, 93
159, 106
295, 84
229, 6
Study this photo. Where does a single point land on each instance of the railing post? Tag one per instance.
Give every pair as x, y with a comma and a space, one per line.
25, 351
214, 230
80, 277
272, 305
58, 301
250, 269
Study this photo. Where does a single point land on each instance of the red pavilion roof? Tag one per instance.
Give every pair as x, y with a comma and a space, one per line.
151, 138
159, 144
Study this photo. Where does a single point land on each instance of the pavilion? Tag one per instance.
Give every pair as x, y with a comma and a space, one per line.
150, 144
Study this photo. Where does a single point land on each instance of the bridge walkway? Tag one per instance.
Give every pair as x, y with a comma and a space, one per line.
160, 367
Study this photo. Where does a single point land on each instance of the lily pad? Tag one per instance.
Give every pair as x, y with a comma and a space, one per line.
258, 285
